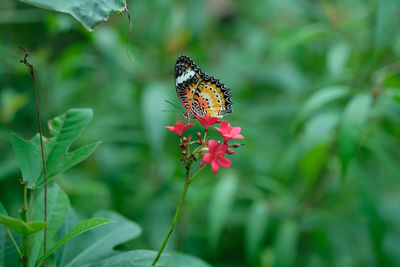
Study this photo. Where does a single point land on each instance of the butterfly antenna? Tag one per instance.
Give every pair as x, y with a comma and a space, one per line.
173, 104
170, 110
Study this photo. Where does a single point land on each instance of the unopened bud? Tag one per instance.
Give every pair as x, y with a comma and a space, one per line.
236, 145
184, 152
199, 134
198, 142
185, 139
218, 142
230, 151
201, 163
181, 145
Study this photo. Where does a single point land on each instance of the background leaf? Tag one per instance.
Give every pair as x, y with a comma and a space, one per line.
8, 253
65, 129
57, 210
77, 230
256, 229
221, 207
352, 124
24, 228
99, 243
89, 13
146, 257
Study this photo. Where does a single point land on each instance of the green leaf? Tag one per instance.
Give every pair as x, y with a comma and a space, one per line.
386, 21
286, 244
8, 254
320, 99
145, 258
99, 244
65, 129
351, 126
337, 58
77, 230
29, 157
3, 210
256, 228
221, 206
24, 228
88, 13
57, 210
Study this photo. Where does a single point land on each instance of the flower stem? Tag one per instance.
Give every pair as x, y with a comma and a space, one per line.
178, 210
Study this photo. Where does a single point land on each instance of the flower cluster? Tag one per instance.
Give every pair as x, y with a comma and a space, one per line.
210, 151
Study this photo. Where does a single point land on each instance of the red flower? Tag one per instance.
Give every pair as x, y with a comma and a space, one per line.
215, 157
179, 128
208, 121
228, 132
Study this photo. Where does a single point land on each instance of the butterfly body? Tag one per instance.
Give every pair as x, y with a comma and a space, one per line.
202, 95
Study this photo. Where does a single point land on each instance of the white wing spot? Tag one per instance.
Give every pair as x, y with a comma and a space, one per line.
185, 76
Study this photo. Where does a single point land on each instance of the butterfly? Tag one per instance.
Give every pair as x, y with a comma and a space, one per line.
202, 95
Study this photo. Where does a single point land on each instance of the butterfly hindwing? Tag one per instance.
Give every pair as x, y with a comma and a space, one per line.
202, 95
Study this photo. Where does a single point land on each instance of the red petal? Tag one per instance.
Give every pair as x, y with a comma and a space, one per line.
207, 158
221, 150
235, 130
212, 146
214, 167
224, 162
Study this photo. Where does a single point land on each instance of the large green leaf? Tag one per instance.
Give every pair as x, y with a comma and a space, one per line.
351, 126
57, 210
64, 129
221, 206
8, 254
77, 230
24, 228
145, 258
89, 13
99, 243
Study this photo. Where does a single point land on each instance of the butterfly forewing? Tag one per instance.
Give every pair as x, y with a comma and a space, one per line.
202, 95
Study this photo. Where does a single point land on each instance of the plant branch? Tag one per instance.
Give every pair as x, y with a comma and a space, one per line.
31, 71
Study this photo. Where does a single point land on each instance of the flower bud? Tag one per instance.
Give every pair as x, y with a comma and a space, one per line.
184, 152
198, 142
199, 135
181, 145
230, 151
236, 145
185, 139
201, 163
218, 142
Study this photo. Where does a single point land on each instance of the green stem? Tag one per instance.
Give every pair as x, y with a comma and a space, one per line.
30, 204
14, 242
25, 250
195, 174
25, 237
178, 210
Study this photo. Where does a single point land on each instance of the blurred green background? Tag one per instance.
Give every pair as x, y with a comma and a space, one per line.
315, 85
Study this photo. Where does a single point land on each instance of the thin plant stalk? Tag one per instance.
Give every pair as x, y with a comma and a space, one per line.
23, 213
188, 180
14, 242
31, 71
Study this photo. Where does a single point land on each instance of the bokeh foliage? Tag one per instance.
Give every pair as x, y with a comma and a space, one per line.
315, 88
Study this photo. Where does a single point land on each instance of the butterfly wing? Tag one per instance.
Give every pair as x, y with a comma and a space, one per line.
200, 94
